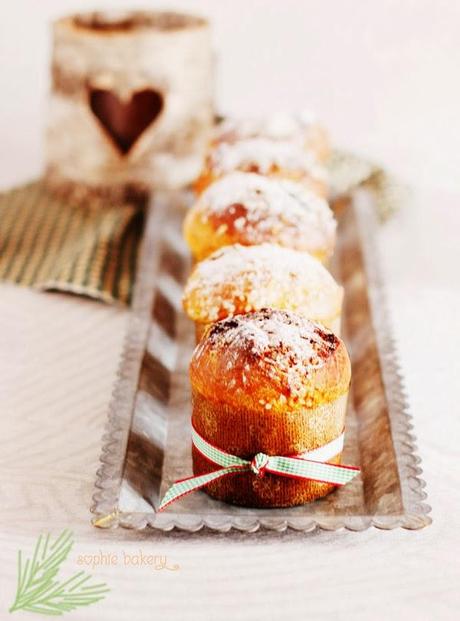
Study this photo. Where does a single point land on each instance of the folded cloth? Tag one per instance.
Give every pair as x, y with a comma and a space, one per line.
52, 242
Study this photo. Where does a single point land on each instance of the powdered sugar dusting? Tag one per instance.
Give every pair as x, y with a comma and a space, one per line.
261, 155
237, 279
264, 209
283, 345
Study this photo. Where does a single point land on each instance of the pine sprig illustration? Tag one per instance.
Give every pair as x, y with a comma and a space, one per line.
38, 589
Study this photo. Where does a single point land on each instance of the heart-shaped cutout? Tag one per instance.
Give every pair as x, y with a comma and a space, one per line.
125, 121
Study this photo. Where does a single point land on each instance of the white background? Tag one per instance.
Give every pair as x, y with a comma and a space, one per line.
384, 77
382, 74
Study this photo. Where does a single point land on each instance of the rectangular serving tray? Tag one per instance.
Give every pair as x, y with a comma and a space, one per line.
147, 443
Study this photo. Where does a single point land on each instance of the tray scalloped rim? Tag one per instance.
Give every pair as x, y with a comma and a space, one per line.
115, 438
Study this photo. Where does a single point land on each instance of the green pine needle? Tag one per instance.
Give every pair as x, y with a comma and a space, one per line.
38, 590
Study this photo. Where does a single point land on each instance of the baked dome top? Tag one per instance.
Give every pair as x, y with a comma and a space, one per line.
270, 360
251, 209
237, 279
261, 155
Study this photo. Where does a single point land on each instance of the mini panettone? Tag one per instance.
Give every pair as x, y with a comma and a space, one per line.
272, 158
250, 209
302, 128
239, 279
270, 383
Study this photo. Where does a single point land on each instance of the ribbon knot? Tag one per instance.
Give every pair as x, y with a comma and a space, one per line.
312, 465
259, 463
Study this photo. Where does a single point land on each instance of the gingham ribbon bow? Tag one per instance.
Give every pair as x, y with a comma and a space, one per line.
312, 465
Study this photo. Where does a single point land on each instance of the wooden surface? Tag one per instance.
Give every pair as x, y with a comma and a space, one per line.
59, 355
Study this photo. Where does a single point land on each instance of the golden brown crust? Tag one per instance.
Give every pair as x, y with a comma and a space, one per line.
280, 159
270, 360
250, 209
201, 329
239, 279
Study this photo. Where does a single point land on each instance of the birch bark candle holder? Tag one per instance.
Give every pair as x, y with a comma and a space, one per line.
131, 102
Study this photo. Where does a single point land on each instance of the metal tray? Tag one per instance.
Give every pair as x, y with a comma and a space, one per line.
147, 443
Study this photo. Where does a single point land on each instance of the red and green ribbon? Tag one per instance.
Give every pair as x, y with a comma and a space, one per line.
312, 466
